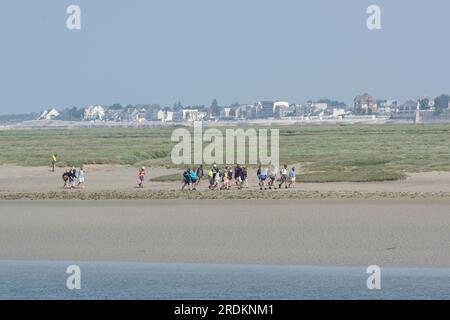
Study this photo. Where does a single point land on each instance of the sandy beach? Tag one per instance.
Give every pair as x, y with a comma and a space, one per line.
395, 223
14, 179
410, 233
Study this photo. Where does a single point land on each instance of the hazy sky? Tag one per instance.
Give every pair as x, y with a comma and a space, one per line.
162, 51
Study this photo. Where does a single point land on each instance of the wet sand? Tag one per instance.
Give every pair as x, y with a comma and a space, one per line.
404, 233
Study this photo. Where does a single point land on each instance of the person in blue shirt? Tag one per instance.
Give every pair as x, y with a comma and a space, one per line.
292, 177
262, 177
194, 179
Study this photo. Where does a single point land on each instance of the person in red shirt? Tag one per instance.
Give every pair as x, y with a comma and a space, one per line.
141, 176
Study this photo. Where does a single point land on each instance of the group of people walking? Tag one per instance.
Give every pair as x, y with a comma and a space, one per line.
192, 178
267, 178
218, 179
222, 179
73, 178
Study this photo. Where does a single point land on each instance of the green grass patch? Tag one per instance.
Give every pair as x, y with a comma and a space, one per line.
176, 177
325, 153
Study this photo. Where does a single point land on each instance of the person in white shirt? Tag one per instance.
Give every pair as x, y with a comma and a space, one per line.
284, 177
81, 178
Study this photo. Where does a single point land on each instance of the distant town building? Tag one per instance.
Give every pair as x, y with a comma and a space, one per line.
189, 115
169, 116
339, 113
365, 104
387, 106
406, 110
134, 114
298, 110
165, 116
265, 109
281, 109
245, 111
311, 108
236, 112
269, 109
408, 106
225, 113
431, 104
93, 113
49, 114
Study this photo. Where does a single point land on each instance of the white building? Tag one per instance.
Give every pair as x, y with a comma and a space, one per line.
169, 116
243, 111
225, 112
49, 114
339, 113
281, 105
387, 106
165, 116
280, 108
94, 113
161, 115
189, 115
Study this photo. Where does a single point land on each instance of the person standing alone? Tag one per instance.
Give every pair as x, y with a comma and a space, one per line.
54, 158
141, 176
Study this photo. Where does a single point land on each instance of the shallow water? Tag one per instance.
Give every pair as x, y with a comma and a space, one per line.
113, 280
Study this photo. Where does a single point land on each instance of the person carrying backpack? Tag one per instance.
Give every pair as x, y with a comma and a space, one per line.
186, 179
72, 177
65, 178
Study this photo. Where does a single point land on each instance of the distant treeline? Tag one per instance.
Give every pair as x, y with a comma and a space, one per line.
14, 118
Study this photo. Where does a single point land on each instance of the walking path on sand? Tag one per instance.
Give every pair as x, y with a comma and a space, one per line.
105, 181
